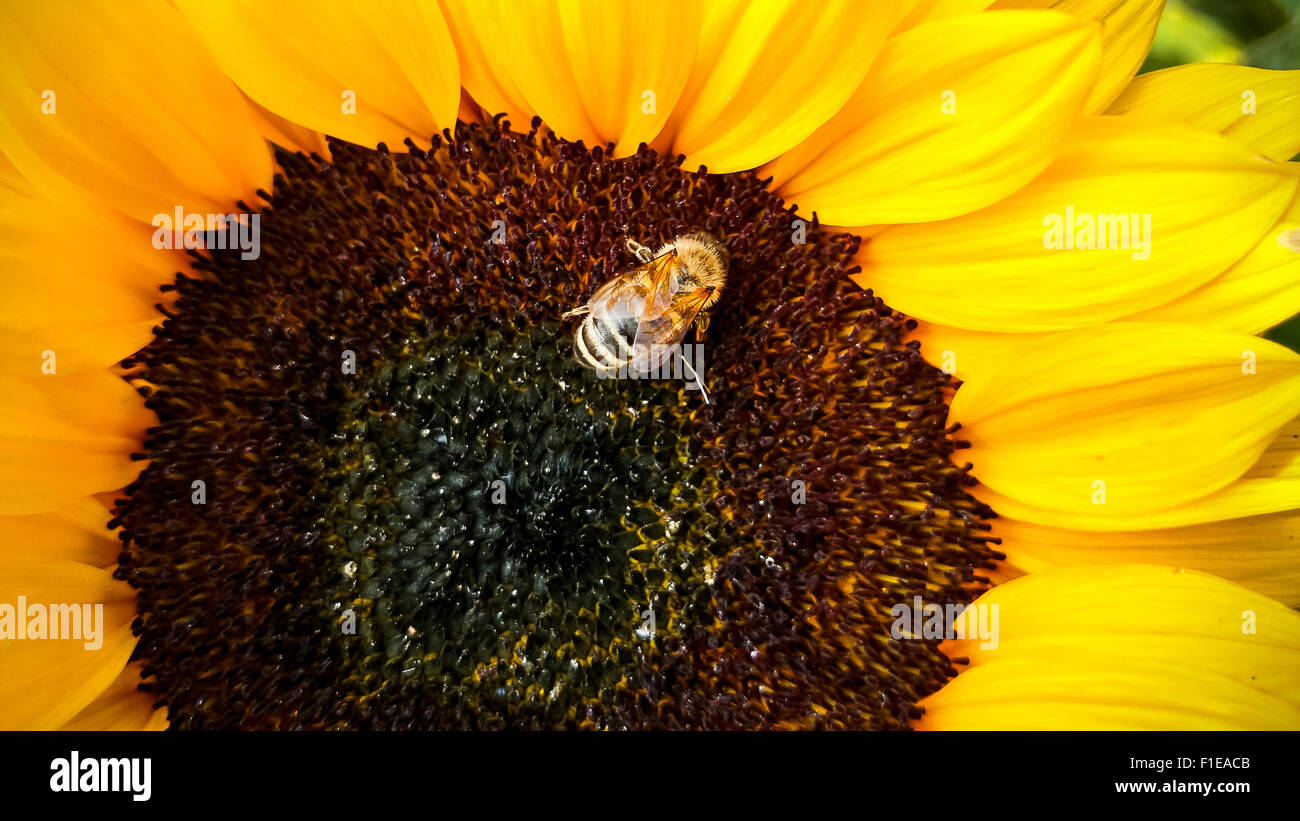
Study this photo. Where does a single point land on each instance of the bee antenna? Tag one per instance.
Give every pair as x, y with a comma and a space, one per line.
694, 376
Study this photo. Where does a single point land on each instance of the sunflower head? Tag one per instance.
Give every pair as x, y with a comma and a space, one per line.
479, 532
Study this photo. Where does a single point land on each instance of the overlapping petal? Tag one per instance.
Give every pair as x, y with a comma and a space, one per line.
289, 134
473, 26
366, 73
121, 707
1127, 647
1173, 206
1259, 553
1126, 418
594, 71
924, 11
955, 115
72, 305
1256, 106
1127, 29
751, 94
66, 436
1257, 292
49, 681
1269, 486
122, 100
78, 533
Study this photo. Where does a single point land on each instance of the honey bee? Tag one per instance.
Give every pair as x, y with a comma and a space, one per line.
638, 318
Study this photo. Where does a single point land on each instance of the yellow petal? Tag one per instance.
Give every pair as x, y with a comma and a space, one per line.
1256, 293
1260, 108
88, 303
1101, 693
48, 681
474, 29
597, 71
1127, 29
470, 111
1124, 647
364, 72
1199, 202
970, 354
77, 347
955, 115
288, 134
923, 11
1126, 418
11, 180
140, 116
63, 437
627, 87
123, 707
78, 533
1270, 485
750, 98
1260, 553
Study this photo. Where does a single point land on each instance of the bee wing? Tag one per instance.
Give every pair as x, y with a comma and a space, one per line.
657, 274
657, 336
644, 292
624, 295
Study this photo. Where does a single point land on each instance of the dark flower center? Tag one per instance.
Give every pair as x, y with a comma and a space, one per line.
418, 511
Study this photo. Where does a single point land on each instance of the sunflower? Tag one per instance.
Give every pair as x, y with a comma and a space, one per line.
989, 338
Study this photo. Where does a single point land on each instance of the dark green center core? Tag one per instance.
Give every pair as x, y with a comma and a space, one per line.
418, 511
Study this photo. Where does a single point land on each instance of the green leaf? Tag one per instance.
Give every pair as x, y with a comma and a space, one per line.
1288, 333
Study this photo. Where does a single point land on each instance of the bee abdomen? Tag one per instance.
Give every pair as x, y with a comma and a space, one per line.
603, 345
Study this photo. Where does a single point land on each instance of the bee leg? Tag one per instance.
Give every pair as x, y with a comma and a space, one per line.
701, 325
576, 312
642, 253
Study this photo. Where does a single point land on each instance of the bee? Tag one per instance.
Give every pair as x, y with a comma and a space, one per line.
639, 317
